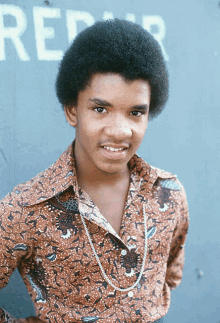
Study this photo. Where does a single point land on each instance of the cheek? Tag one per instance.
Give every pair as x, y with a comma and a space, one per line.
87, 129
140, 130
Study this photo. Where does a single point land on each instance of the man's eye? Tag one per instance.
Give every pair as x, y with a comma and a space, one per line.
137, 113
100, 109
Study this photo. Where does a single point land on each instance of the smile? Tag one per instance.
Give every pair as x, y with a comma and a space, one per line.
113, 149
114, 153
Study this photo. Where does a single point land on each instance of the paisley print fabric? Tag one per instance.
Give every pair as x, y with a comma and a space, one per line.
42, 234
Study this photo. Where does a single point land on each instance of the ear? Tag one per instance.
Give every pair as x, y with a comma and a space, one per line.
71, 114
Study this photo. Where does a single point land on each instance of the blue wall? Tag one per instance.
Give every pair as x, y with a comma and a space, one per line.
184, 139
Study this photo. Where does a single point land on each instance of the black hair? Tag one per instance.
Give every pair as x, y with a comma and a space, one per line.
113, 46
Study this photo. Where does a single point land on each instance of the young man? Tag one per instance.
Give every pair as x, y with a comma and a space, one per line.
99, 236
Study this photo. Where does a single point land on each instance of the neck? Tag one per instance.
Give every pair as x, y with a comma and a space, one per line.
97, 178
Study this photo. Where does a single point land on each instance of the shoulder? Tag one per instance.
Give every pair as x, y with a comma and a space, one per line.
27, 193
169, 182
157, 179
170, 194
45, 185
15, 200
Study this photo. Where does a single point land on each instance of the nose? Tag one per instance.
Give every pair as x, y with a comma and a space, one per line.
118, 128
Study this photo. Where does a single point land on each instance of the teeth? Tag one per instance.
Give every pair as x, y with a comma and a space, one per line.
113, 149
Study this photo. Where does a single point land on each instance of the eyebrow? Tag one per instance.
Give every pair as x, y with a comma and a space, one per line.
143, 107
103, 103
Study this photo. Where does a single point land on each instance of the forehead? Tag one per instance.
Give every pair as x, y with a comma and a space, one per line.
115, 87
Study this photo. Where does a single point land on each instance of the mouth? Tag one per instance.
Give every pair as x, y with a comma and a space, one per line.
114, 153
113, 149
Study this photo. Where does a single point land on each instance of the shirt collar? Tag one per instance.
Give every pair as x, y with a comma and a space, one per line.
146, 173
62, 174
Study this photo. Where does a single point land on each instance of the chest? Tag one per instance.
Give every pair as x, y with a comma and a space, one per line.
111, 205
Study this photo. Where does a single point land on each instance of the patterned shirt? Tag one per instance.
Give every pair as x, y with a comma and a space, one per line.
43, 235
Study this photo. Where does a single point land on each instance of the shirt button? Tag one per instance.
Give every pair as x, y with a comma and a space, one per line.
130, 294
124, 252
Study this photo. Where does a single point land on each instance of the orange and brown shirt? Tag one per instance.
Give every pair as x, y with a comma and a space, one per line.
42, 234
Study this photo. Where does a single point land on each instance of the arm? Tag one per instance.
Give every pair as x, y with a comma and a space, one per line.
6, 317
14, 246
175, 262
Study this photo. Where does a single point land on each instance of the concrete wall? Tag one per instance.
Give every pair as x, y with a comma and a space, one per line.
185, 139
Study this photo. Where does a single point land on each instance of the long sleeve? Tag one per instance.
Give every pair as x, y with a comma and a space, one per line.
14, 236
6, 317
175, 262
14, 243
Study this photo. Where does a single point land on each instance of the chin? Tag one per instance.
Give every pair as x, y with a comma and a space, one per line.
111, 170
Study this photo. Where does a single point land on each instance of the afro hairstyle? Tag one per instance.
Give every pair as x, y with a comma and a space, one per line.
113, 46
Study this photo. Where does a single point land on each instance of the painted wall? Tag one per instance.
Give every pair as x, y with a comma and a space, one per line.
184, 139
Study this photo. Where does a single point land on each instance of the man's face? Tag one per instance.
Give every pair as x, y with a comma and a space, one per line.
110, 119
